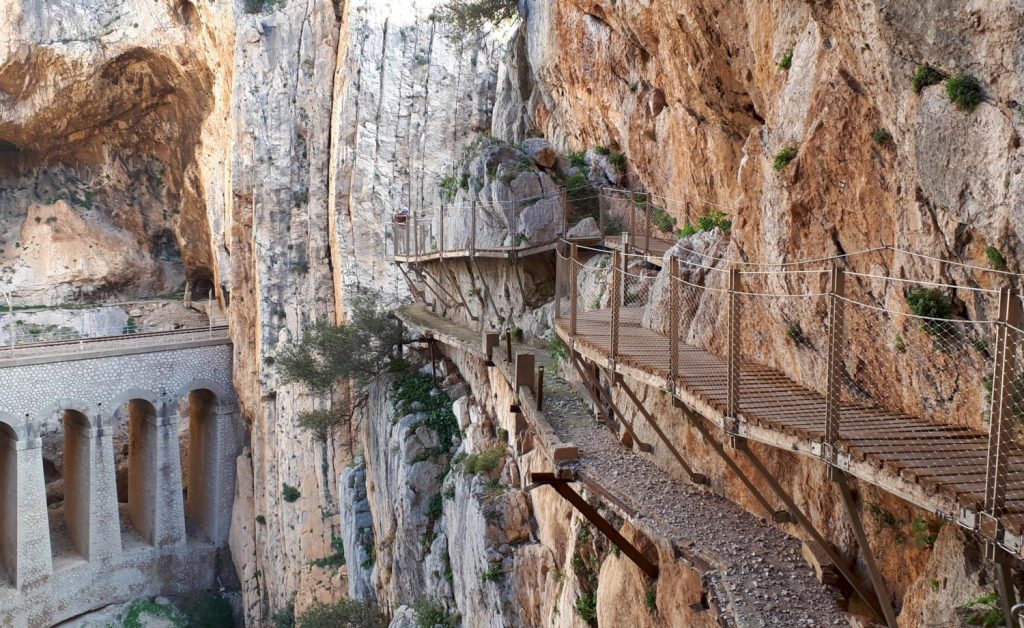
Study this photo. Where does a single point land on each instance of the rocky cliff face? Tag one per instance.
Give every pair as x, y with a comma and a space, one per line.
260, 148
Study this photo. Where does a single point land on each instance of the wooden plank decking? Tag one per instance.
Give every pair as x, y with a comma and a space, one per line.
940, 459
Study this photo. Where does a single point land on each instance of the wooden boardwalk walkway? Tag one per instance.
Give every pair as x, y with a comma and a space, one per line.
936, 467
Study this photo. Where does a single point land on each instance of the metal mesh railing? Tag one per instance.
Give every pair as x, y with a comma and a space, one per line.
935, 385
484, 226
651, 223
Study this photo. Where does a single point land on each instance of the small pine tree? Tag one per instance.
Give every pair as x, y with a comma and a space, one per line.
465, 18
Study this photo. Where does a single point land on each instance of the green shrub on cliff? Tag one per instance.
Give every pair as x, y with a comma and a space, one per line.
995, 258
289, 493
787, 60
465, 18
964, 92
348, 613
432, 615
784, 156
924, 76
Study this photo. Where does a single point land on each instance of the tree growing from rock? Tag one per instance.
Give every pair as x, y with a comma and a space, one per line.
467, 17
354, 352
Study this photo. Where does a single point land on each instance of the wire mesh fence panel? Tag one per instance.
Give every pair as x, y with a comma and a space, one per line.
783, 325
916, 393
400, 235
617, 210
582, 213
593, 300
562, 282
915, 355
656, 225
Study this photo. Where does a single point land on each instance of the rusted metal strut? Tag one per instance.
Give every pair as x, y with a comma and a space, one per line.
871, 600
594, 517
695, 477
595, 393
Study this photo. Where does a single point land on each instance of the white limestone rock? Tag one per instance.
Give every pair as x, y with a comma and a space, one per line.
586, 228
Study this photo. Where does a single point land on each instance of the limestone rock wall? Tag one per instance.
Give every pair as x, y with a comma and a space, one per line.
406, 100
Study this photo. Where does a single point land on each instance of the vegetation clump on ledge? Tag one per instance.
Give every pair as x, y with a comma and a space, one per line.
882, 137
924, 76
787, 60
289, 493
350, 613
930, 304
995, 258
417, 394
485, 461
433, 615
784, 156
964, 92
712, 219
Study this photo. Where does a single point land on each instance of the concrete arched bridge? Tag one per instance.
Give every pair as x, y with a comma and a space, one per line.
117, 461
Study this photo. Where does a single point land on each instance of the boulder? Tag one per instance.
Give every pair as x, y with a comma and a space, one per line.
586, 228
405, 617
540, 152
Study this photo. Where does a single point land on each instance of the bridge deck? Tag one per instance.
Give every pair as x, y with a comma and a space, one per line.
940, 459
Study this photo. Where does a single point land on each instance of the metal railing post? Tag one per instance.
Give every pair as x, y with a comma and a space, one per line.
440, 245
833, 392
647, 227
1001, 429
733, 356
617, 286
602, 209
472, 230
415, 235
559, 278
673, 323
574, 296
407, 237
621, 293
540, 389
632, 216
512, 226
565, 214
209, 313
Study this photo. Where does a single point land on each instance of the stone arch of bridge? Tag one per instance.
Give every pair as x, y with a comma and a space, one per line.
85, 456
10, 426
203, 404
153, 470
